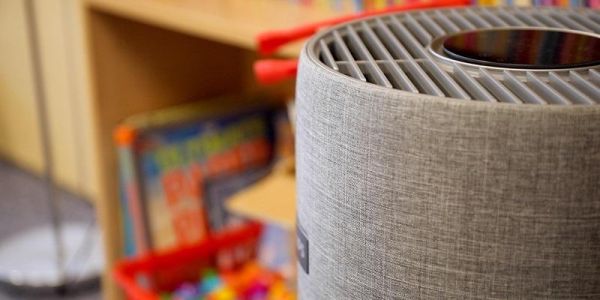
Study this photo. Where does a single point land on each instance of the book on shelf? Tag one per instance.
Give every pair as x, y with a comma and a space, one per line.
167, 156
129, 244
371, 5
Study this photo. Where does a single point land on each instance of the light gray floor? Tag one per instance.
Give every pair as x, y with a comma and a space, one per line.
22, 206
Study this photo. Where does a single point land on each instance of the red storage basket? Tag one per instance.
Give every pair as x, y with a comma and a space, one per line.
145, 277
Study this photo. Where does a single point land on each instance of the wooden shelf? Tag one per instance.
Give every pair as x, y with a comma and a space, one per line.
271, 200
148, 54
234, 22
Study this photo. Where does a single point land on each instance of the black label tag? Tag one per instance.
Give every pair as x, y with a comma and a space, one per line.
302, 247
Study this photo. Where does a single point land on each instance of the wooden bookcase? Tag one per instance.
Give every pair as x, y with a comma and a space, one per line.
146, 54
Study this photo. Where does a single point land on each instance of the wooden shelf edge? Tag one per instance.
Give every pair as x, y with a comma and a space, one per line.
271, 200
222, 21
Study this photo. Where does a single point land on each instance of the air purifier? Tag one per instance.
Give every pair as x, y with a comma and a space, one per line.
451, 154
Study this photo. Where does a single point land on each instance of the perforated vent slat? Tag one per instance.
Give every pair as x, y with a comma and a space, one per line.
412, 45
547, 21
420, 33
595, 17
568, 90
451, 87
418, 52
510, 20
521, 90
527, 19
364, 54
431, 26
343, 49
586, 22
569, 22
496, 21
462, 22
422, 80
585, 86
545, 90
472, 85
445, 22
477, 20
562, 22
392, 51
497, 88
398, 76
446, 81
391, 41
595, 77
326, 56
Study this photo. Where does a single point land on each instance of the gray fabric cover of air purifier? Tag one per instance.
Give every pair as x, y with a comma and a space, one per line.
408, 196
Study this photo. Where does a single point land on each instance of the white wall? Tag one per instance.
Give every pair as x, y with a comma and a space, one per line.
19, 139
61, 41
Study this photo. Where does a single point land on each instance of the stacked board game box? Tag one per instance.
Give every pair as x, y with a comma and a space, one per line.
176, 166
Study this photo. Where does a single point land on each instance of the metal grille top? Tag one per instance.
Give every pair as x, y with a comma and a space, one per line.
398, 51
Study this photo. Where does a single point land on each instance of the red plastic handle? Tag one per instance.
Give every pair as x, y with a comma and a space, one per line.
269, 71
269, 42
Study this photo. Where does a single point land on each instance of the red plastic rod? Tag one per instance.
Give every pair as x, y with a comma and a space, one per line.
269, 42
269, 71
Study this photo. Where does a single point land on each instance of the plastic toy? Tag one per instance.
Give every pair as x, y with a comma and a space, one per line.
250, 282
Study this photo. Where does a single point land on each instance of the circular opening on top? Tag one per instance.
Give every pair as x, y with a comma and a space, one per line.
524, 48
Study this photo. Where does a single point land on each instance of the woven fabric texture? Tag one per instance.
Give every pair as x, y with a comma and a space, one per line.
405, 196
